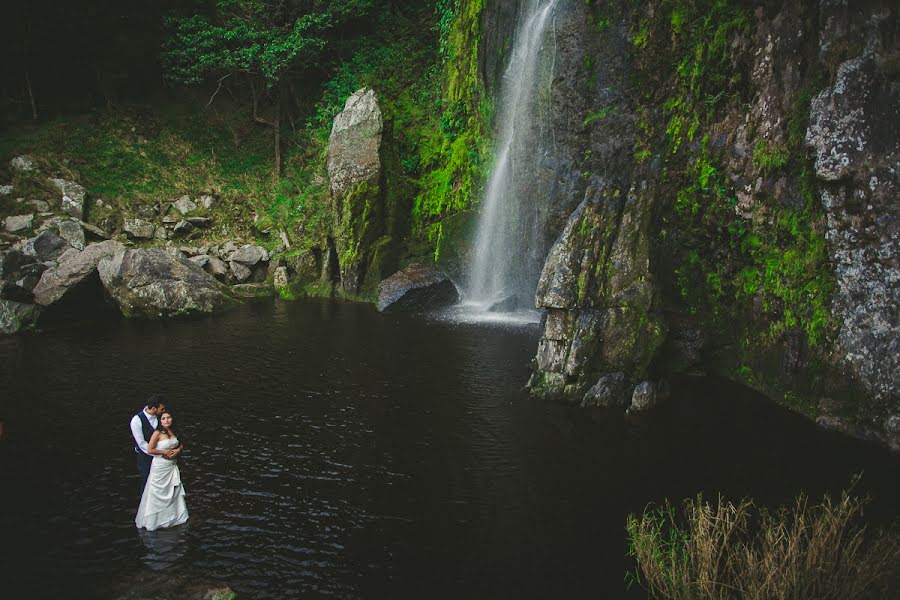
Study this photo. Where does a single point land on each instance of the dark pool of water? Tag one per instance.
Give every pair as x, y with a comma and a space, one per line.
337, 452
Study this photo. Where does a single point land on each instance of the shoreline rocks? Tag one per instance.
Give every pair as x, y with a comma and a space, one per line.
414, 288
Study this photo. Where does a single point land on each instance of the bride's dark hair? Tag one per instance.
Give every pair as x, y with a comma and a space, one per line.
159, 425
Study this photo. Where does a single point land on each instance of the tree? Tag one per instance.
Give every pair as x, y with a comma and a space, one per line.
265, 42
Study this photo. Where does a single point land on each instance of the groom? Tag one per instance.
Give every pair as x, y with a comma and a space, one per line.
143, 425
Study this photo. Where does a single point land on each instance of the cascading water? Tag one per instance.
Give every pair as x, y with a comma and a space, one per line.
509, 252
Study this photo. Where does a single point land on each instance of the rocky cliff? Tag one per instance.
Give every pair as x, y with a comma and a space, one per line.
725, 202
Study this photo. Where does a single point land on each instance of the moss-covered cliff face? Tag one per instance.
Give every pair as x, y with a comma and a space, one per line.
740, 212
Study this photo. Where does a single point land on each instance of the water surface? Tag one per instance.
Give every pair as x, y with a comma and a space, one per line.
336, 452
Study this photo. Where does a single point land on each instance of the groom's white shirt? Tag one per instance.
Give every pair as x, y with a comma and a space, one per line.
138, 432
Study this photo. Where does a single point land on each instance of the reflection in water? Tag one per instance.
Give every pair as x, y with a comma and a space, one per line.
165, 547
336, 452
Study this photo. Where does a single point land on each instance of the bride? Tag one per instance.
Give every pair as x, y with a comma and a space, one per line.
162, 504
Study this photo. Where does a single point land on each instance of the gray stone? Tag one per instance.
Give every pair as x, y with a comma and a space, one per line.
608, 392
147, 211
207, 201
199, 221
249, 255
72, 232
183, 228
200, 260
239, 271
6, 190
414, 288
39, 205
280, 278
73, 196
94, 230
161, 233
354, 143
46, 246
184, 205
17, 316
138, 229
644, 397
216, 267
56, 281
354, 176
22, 163
18, 223
155, 283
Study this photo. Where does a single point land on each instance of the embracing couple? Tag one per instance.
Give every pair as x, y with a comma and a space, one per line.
157, 449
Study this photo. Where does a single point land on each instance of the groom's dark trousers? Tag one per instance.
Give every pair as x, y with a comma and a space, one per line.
143, 466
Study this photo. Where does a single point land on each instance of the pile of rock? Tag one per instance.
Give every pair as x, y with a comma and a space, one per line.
177, 219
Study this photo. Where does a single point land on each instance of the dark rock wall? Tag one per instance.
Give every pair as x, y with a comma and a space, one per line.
726, 201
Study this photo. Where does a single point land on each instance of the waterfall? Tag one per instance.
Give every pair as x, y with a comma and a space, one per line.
508, 251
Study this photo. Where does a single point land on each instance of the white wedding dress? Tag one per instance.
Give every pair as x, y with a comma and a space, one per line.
162, 504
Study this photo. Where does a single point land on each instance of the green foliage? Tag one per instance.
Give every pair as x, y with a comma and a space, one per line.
769, 157
253, 37
452, 155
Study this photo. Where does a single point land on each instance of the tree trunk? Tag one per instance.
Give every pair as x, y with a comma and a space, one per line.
276, 174
34, 114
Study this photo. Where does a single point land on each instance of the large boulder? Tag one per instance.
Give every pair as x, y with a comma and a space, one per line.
156, 283
416, 287
75, 268
73, 196
354, 183
608, 392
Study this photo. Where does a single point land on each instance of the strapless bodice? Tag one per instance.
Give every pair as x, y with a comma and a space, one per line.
168, 443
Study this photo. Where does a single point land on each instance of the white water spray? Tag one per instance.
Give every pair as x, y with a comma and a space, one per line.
507, 251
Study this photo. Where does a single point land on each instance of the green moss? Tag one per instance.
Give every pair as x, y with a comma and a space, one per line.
768, 156
453, 154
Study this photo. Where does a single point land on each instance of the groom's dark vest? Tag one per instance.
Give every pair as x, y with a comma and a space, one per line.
146, 428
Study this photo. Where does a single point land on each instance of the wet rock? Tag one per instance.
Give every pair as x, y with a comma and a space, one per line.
18, 223
138, 229
416, 287
645, 397
22, 164
252, 290
72, 232
154, 283
608, 392
507, 304
73, 196
184, 205
17, 316
57, 281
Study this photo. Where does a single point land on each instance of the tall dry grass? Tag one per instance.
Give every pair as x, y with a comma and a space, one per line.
740, 551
